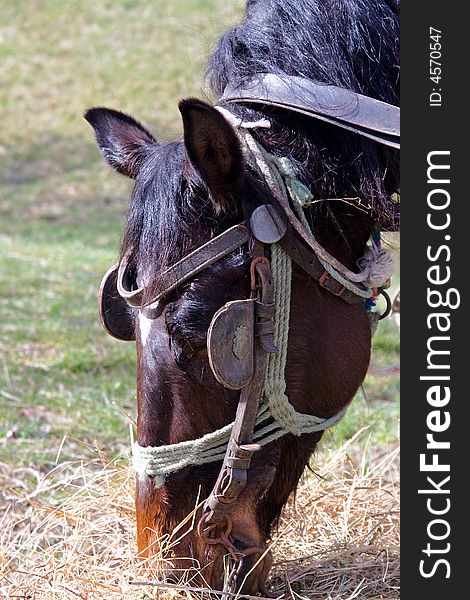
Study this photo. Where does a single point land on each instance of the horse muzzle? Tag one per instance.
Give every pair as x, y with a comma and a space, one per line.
236, 566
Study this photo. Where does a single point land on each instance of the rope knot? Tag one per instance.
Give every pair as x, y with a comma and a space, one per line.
376, 265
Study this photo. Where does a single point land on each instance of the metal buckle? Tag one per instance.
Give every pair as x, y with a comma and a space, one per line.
322, 282
254, 263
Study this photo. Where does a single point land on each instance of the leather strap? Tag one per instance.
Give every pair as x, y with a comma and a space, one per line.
195, 262
303, 255
306, 258
233, 475
349, 110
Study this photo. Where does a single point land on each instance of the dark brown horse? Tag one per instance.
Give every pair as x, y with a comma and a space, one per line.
187, 192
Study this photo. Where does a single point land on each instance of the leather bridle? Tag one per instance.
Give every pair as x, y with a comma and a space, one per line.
262, 227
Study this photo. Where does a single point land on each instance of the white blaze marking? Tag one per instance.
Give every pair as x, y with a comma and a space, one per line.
145, 325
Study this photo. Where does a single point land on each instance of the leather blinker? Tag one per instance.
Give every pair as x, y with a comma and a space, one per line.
230, 343
116, 315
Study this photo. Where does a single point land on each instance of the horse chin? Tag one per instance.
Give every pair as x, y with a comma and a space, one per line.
241, 564
193, 560
247, 537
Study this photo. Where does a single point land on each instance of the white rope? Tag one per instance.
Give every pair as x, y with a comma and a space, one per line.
286, 418
160, 461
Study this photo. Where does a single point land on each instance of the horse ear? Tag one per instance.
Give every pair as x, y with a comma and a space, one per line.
121, 139
214, 149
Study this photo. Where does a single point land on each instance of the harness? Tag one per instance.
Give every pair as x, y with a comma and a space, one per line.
247, 339
338, 106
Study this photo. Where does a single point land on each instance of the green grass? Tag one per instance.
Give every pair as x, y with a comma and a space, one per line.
62, 209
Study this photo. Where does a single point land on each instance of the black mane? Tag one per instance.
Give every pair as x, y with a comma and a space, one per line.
349, 43
169, 212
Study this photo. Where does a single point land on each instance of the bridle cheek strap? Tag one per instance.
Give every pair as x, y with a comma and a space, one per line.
233, 475
186, 268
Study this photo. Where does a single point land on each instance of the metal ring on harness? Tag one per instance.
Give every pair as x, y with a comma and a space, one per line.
388, 308
236, 554
205, 530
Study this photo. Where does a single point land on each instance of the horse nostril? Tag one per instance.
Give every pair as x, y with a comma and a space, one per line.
253, 571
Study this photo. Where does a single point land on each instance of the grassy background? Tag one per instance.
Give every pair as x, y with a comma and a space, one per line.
63, 381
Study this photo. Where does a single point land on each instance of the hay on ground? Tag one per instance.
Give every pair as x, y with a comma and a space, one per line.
72, 534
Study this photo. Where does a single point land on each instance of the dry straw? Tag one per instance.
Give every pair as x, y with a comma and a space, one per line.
71, 534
